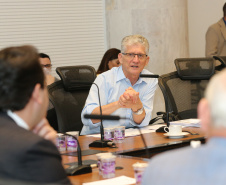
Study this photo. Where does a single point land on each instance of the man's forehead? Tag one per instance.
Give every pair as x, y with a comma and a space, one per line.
136, 46
44, 61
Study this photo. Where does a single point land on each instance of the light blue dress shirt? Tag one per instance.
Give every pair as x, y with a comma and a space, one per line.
205, 165
112, 85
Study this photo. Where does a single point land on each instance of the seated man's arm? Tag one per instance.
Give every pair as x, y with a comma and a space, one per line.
135, 101
131, 99
106, 110
44, 130
92, 103
146, 96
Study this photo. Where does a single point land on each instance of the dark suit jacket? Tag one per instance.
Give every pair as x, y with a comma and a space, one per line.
28, 157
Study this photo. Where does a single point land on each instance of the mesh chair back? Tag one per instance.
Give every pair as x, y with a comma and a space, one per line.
76, 77
195, 68
183, 88
69, 95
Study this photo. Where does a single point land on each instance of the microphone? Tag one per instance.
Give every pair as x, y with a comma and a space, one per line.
78, 169
149, 76
161, 129
145, 144
100, 143
113, 117
97, 116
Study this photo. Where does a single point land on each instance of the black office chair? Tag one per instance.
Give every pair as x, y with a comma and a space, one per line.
52, 117
183, 88
222, 61
68, 95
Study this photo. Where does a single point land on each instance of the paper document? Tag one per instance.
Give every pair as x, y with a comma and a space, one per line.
135, 132
122, 180
187, 122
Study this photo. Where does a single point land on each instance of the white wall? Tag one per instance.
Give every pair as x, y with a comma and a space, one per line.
163, 22
201, 14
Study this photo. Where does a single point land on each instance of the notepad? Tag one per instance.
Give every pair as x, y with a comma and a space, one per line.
122, 180
187, 122
130, 132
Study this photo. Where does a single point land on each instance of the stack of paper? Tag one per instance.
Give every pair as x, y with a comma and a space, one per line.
130, 132
122, 180
187, 122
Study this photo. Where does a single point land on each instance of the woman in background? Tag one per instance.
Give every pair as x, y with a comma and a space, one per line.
109, 60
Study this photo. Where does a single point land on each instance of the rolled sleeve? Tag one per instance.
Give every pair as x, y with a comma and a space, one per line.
88, 110
92, 102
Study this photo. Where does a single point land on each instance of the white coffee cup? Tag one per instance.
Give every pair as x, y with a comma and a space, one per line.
109, 134
173, 129
119, 134
99, 155
71, 142
138, 171
61, 142
107, 166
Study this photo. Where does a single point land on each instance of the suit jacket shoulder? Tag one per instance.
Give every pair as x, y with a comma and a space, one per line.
26, 156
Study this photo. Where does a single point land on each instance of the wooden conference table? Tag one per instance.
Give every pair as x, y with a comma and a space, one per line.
132, 150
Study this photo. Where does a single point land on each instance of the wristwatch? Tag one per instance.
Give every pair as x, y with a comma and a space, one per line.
139, 111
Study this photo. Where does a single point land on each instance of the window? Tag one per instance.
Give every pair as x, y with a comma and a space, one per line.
72, 32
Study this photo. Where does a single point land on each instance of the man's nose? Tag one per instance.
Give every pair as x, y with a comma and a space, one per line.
136, 59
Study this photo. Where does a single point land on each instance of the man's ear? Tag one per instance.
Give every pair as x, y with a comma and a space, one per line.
204, 113
120, 58
36, 94
147, 60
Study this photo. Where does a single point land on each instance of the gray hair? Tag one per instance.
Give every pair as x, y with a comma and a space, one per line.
134, 39
216, 96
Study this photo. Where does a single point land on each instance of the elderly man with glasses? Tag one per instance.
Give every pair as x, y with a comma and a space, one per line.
122, 91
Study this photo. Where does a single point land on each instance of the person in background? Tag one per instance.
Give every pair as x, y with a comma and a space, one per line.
207, 163
109, 60
47, 66
216, 37
122, 91
27, 142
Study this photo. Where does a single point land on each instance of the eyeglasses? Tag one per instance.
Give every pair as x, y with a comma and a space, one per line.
131, 56
46, 65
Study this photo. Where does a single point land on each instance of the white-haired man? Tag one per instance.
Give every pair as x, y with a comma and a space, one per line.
203, 165
122, 91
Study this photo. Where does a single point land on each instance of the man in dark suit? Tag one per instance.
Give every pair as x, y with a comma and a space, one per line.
27, 141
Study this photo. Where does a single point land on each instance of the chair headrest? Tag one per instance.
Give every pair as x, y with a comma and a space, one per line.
76, 77
195, 68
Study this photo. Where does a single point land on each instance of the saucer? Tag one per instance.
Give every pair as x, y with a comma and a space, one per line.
174, 136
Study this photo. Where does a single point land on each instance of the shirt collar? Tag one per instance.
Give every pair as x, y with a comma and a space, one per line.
120, 76
19, 121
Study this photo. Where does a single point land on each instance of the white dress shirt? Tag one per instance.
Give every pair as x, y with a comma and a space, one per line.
19, 121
